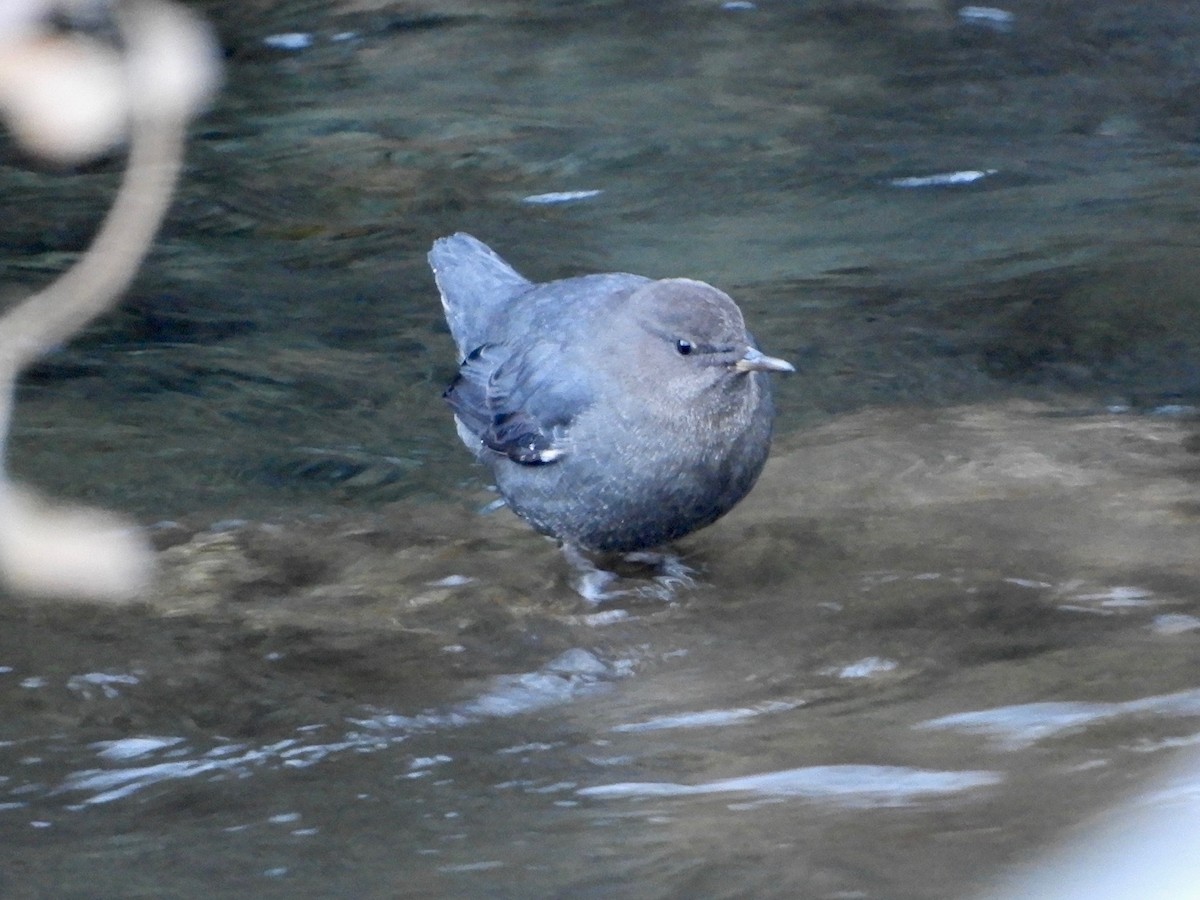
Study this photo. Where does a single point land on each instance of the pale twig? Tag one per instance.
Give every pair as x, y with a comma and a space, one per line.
169, 70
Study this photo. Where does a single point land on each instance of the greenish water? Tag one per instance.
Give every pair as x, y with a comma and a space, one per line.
348, 681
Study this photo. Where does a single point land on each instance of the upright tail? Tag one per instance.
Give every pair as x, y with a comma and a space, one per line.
475, 284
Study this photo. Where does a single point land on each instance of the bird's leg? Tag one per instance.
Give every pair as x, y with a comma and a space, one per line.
592, 580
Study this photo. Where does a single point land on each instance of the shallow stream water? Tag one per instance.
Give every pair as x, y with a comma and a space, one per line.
959, 614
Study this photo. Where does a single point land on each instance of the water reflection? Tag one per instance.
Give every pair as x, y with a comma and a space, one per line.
351, 681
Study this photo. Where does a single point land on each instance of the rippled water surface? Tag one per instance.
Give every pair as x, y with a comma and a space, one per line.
959, 614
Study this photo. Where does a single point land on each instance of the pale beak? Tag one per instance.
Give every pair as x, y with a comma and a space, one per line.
755, 361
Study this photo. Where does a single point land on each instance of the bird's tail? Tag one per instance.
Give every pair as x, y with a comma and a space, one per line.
474, 283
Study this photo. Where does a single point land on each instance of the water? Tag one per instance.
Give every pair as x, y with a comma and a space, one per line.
957, 616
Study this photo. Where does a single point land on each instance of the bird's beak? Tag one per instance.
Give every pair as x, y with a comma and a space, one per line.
755, 361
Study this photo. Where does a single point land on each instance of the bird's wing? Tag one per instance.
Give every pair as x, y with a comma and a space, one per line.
518, 403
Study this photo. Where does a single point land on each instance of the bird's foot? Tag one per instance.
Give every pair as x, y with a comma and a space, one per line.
672, 574
593, 582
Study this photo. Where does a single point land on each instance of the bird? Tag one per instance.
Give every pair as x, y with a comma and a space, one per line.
615, 412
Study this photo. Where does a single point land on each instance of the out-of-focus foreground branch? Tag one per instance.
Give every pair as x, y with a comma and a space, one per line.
68, 96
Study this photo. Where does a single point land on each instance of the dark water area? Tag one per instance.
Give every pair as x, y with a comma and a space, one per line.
959, 614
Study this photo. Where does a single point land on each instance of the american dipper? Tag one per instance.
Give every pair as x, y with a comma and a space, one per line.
615, 412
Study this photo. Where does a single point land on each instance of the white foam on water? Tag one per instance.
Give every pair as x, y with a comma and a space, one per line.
865, 668
556, 197
290, 40
131, 748
451, 581
942, 179
1022, 725
710, 718
1121, 595
534, 747
1174, 623
428, 762
987, 17
851, 785
483, 866
105, 681
568, 676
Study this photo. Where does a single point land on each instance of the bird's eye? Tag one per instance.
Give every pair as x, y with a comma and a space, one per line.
684, 347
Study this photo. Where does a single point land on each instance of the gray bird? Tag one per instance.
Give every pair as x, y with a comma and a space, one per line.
615, 412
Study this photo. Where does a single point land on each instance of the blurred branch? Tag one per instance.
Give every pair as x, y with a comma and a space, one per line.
48, 82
